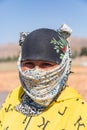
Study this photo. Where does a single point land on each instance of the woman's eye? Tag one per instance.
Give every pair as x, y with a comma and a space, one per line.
46, 65
29, 64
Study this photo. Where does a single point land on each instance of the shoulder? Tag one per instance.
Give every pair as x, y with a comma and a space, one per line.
68, 93
16, 93
14, 96
70, 98
72, 106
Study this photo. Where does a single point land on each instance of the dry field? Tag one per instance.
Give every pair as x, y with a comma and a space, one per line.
9, 78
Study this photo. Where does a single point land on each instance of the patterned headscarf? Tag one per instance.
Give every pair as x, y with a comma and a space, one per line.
43, 87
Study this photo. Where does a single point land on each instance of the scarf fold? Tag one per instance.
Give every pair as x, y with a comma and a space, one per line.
43, 86
28, 107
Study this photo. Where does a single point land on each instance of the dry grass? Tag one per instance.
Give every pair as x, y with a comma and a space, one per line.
9, 78
8, 66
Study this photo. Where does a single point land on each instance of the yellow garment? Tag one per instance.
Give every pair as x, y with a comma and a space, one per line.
68, 112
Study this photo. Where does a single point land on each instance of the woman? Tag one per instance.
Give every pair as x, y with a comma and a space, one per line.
44, 101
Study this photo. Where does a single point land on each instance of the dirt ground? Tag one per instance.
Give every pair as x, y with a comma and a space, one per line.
9, 78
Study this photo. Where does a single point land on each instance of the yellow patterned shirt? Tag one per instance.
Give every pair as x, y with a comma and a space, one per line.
68, 112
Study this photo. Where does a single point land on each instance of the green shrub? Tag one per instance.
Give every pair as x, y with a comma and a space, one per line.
9, 58
83, 51
74, 54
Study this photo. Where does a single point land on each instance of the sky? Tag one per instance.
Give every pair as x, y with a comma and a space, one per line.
27, 15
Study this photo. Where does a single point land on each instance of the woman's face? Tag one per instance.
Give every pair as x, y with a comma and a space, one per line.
31, 64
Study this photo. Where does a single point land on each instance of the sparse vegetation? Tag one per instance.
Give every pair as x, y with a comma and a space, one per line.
83, 51
75, 54
9, 59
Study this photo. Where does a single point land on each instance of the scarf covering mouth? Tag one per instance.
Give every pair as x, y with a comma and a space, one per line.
43, 86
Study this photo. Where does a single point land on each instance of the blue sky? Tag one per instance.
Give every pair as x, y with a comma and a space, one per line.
27, 15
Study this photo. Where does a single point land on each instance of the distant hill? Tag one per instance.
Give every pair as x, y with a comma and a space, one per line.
12, 49
77, 43
9, 50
